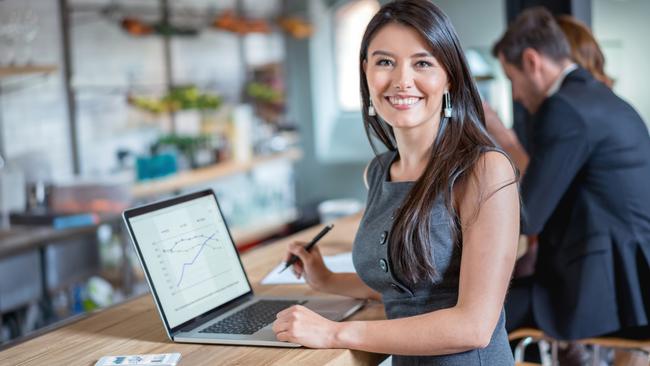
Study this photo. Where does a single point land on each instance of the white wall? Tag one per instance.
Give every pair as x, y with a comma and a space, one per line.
33, 108
478, 23
621, 27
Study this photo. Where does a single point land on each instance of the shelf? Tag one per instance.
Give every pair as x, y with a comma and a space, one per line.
21, 238
6, 71
204, 175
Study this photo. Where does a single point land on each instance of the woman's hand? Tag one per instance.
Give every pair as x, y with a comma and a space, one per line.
298, 324
310, 265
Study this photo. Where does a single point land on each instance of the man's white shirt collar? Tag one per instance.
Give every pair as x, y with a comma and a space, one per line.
558, 82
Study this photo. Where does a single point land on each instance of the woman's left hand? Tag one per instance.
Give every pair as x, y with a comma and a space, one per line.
301, 325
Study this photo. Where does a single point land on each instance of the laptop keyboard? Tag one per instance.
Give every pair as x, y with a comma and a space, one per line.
251, 318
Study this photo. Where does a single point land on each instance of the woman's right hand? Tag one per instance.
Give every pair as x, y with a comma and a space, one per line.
310, 265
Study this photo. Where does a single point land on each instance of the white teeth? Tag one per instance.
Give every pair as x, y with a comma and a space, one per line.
402, 101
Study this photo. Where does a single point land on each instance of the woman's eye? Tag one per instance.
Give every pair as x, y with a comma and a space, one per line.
423, 64
384, 62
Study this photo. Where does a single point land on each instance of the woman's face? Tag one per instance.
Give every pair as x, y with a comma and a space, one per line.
405, 81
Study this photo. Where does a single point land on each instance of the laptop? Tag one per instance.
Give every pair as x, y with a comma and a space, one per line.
197, 279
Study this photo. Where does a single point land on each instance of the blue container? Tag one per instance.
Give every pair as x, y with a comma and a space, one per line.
151, 167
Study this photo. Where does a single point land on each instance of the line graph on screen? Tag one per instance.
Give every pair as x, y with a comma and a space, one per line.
192, 258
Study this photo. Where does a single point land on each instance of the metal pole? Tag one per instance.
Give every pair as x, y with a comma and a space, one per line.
239, 6
167, 57
2, 136
67, 71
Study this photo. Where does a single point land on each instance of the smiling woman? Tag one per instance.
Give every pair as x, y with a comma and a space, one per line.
438, 238
405, 81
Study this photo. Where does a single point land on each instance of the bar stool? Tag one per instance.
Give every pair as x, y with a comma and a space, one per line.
531, 335
544, 342
634, 345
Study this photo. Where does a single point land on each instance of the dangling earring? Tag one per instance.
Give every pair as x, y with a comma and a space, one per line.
447, 101
371, 109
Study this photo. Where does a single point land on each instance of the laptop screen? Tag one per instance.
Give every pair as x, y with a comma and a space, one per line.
192, 262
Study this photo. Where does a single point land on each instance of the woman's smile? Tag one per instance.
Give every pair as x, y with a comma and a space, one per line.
403, 102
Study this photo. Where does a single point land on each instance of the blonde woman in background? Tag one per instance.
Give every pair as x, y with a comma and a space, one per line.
584, 48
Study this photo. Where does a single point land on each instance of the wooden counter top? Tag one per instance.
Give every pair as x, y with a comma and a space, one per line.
135, 326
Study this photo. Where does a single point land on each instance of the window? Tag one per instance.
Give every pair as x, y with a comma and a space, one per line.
334, 63
350, 22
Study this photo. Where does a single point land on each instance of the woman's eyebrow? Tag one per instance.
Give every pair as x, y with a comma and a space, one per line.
415, 55
383, 53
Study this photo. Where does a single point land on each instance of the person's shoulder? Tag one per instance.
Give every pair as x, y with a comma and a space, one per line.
580, 90
493, 172
594, 100
495, 166
492, 168
559, 103
561, 112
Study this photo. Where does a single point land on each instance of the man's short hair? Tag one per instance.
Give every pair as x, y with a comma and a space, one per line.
534, 28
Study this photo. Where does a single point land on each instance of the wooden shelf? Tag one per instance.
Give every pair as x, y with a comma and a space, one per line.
21, 238
483, 77
6, 71
204, 175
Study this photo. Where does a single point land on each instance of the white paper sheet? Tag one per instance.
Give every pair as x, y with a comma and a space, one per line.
336, 263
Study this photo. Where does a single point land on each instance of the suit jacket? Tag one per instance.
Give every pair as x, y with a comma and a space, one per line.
586, 192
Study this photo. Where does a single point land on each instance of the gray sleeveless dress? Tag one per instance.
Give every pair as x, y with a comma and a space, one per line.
371, 261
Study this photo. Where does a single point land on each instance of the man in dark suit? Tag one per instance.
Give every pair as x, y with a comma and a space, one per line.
585, 190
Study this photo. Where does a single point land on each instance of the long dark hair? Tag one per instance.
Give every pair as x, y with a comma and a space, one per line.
458, 146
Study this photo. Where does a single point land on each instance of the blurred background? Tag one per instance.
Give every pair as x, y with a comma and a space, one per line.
106, 104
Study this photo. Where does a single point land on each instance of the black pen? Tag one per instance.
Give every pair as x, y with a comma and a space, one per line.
294, 258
